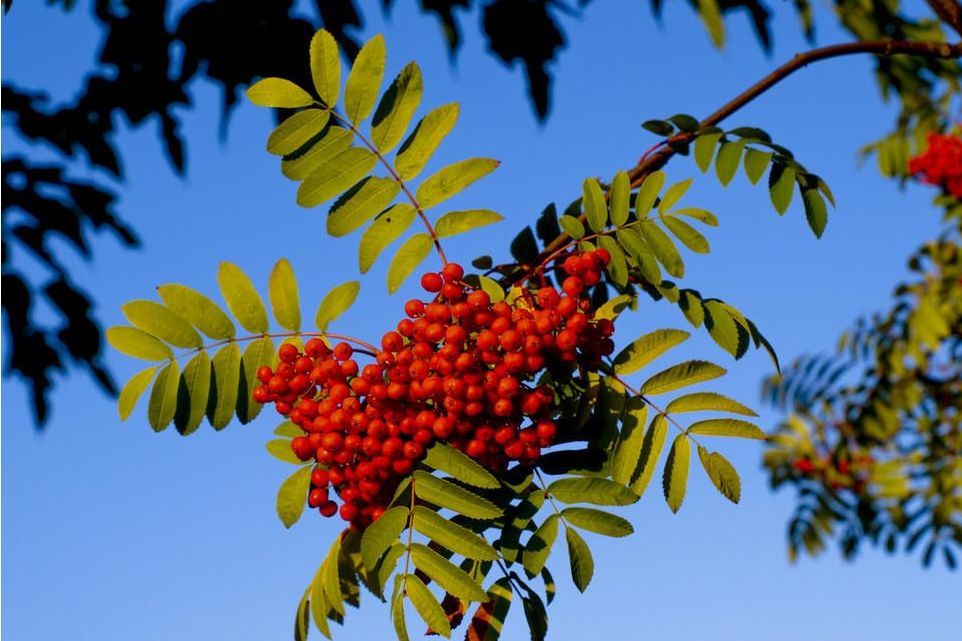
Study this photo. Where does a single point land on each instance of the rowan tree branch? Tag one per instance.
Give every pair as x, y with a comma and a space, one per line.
657, 160
949, 12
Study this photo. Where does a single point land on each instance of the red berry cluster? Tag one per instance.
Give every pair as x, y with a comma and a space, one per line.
941, 163
458, 369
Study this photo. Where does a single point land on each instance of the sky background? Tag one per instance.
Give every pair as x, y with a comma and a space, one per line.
111, 531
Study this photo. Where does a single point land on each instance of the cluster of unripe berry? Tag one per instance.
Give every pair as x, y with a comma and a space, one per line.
941, 163
459, 369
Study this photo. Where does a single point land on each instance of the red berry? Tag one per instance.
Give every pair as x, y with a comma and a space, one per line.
432, 282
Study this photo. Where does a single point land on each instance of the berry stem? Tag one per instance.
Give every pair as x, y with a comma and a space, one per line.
394, 176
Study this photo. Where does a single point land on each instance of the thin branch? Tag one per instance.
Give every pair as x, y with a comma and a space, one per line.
657, 160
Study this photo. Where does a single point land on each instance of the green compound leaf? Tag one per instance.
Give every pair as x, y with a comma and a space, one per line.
381, 535
597, 521
704, 149
756, 162
296, 131
242, 298
385, 229
593, 202
364, 81
292, 496
360, 204
417, 150
277, 92
453, 497
722, 474
648, 193
326, 67
579, 555
139, 344
781, 187
681, 375
397, 107
282, 291
335, 176
453, 179
701, 215
163, 397
707, 401
591, 490
647, 348
618, 267
333, 141
223, 400
133, 390
538, 548
634, 243
727, 427
194, 393
572, 226
675, 475
336, 302
158, 320
651, 449
447, 575
620, 199
257, 354
427, 605
450, 535
198, 310
688, 235
462, 467
458, 222
663, 248
414, 250
673, 194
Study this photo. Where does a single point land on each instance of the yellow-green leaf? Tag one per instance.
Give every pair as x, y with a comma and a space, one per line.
681, 375
198, 310
336, 302
335, 176
414, 250
647, 348
360, 204
620, 198
195, 390
158, 320
781, 187
727, 427
282, 291
445, 458
688, 235
292, 496
594, 205
397, 106
538, 548
417, 150
447, 575
597, 521
242, 298
280, 448
133, 390
704, 149
382, 534
427, 605
450, 180
223, 399
579, 555
707, 401
722, 474
650, 452
648, 193
598, 491
453, 497
334, 141
756, 162
326, 67
364, 81
630, 441
296, 131
663, 248
277, 92
163, 397
450, 535
139, 344
572, 226
385, 229
458, 222
675, 476
257, 354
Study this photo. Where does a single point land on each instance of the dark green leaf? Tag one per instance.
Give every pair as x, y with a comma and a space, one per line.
815, 211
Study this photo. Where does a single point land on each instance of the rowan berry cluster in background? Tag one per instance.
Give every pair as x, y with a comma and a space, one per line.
459, 369
941, 163
838, 471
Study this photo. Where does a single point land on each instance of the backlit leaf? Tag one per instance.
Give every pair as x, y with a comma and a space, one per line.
617, 268
139, 344
647, 348
417, 150
414, 250
195, 387
158, 320
277, 92
591, 490
722, 474
595, 207
397, 107
292, 496
364, 81
447, 575
450, 180
427, 605
630, 441
707, 401
334, 141
648, 193
163, 397
453, 497
727, 427
688, 235
704, 149
538, 548
397, 609
198, 310
675, 476
756, 162
326, 67
450, 535
336, 302
650, 452
445, 458
597, 521
282, 291
385, 229
815, 211
579, 555
572, 226
673, 194
663, 248
620, 198
681, 375
133, 390
381, 534
257, 354
360, 204
296, 131
458, 222
726, 164
223, 398
242, 298
335, 176
781, 187
280, 448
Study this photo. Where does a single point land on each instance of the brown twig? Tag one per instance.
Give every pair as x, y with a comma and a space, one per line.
653, 162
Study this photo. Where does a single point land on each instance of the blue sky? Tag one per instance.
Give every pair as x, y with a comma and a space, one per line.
111, 530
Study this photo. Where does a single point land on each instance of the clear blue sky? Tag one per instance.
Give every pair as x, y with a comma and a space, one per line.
111, 531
